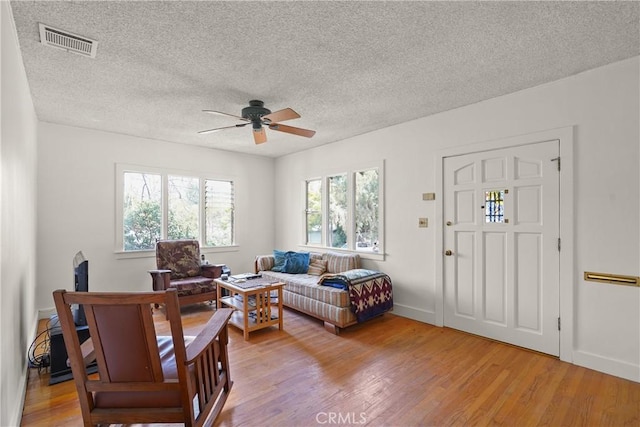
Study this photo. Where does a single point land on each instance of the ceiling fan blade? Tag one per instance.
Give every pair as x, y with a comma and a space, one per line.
281, 115
222, 128
294, 130
259, 135
219, 113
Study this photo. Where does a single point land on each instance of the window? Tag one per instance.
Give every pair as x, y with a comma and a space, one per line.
494, 206
219, 213
348, 215
338, 227
367, 209
142, 219
313, 212
184, 207
154, 204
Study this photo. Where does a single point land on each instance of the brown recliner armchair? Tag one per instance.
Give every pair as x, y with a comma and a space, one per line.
179, 267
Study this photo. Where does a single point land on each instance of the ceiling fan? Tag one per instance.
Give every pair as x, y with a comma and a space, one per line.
258, 116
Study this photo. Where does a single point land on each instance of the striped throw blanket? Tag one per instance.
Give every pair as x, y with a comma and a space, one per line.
370, 291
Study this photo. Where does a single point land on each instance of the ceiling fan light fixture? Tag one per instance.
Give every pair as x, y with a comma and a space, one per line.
255, 111
258, 115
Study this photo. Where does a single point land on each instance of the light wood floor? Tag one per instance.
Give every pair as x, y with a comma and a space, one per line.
390, 371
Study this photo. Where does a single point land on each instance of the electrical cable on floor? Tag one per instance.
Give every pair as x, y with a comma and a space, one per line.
39, 351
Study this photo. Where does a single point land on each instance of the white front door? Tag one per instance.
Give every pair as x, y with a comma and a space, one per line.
501, 241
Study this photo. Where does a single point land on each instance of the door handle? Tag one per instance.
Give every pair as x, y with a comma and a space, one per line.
448, 252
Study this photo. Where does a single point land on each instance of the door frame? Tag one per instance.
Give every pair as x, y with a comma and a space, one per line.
567, 274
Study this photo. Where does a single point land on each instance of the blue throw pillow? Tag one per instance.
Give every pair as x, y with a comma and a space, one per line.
296, 262
279, 257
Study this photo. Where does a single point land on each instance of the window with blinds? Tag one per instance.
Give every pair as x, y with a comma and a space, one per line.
153, 204
219, 213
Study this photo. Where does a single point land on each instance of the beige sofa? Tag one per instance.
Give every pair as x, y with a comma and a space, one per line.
303, 292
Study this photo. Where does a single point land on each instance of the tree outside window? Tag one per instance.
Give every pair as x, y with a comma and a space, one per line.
314, 212
337, 237
142, 217
349, 216
367, 209
184, 207
146, 218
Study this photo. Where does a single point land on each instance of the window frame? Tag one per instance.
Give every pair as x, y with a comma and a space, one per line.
122, 168
203, 211
351, 222
307, 211
349, 190
200, 217
120, 182
354, 212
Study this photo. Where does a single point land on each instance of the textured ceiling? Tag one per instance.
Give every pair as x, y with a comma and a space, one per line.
346, 67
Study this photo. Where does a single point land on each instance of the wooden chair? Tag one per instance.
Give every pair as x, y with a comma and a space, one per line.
145, 378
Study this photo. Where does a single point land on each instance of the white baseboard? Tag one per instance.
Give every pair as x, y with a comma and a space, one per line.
16, 415
618, 368
46, 313
414, 313
610, 366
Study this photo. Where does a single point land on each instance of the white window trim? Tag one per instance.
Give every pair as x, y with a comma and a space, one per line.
349, 172
121, 168
305, 213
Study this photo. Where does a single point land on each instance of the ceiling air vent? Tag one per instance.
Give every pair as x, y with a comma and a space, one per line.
65, 40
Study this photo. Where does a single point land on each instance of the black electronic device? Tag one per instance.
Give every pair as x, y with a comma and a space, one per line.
226, 270
60, 371
81, 284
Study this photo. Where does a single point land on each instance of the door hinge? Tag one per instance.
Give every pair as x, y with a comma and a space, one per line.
558, 323
559, 244
557, 159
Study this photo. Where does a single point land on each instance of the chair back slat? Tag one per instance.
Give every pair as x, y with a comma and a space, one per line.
128, 350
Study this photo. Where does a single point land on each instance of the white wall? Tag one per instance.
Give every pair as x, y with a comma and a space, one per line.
602, 106
17, 223
76, 199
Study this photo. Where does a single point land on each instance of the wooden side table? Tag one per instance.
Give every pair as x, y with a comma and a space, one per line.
251, 300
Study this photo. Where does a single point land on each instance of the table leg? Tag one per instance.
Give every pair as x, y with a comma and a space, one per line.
280, 311
245, 309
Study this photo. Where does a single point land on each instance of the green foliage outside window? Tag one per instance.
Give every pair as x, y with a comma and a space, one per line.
142, 210
338, 210
338, 236
142, 225
184, 207
353, 210
142, 216
367, 208
314, 212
